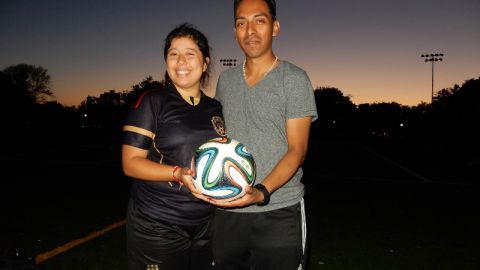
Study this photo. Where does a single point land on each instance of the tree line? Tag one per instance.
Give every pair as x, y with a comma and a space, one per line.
28, 103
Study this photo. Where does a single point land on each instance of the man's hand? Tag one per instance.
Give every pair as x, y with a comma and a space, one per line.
252, 196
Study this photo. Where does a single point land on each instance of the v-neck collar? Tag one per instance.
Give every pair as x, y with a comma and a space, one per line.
188, 100
280, 63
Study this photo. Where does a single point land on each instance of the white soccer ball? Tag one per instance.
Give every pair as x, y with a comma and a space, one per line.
222, 168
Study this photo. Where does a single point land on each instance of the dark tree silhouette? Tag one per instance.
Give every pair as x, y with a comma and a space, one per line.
335, 113
418, 121
130, 97
453, 115
23, 87
32, 81
107, 112
382, 119
456, 111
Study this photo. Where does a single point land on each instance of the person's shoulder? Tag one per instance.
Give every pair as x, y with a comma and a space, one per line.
292, 68
231, 73
210, 100
159, 91
152, 96
294, 74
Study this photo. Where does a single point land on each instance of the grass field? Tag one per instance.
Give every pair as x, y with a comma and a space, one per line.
370, 205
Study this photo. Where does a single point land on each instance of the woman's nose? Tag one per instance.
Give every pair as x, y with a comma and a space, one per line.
181, 58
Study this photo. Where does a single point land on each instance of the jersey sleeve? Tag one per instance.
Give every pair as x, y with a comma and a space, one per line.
300, 96
139, 128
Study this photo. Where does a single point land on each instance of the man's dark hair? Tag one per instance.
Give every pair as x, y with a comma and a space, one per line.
189, 30
272, 7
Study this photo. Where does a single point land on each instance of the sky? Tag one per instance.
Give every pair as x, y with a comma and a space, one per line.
370, 50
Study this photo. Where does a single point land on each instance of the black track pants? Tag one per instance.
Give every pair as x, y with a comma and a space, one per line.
273, 240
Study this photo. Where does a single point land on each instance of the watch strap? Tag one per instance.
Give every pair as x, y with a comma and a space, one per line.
266, 194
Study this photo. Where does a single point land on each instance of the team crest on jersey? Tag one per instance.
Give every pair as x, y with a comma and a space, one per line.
219, 125
153, 267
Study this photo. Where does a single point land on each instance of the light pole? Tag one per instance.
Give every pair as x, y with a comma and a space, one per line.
228, 62
433, 57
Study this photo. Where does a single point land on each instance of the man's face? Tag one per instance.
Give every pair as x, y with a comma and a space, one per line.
254, 27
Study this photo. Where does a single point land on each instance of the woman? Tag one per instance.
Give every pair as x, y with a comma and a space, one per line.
168, 225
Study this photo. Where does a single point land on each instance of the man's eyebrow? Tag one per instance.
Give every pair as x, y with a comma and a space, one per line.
261, 15
255, 16
239, 18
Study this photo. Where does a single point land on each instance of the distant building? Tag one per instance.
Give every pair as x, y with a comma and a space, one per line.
110, 98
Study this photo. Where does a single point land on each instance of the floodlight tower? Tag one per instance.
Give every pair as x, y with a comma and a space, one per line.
433, 57
228, 62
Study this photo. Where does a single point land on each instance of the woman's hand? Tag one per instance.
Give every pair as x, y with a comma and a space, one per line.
185, 177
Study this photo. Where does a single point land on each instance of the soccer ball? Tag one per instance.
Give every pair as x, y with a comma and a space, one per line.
222, 168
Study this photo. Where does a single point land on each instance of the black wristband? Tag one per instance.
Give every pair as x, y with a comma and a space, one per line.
266, 194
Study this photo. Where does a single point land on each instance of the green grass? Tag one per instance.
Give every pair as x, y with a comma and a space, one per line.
363, 212
105, 252
394, 226
354, 226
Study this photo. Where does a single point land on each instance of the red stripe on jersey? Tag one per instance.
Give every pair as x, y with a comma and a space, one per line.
139, 100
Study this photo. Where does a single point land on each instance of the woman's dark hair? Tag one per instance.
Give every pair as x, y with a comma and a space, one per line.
189, 30
272, 7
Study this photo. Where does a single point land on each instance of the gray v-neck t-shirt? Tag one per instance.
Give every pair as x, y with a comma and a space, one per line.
257, 115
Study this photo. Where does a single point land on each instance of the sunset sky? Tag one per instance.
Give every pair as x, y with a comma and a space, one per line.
370, 50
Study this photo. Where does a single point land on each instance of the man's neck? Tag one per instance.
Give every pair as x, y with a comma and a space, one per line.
255, 69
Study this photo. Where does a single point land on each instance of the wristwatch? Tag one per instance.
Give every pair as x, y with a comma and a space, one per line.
266, 194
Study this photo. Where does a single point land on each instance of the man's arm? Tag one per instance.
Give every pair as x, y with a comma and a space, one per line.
297, 130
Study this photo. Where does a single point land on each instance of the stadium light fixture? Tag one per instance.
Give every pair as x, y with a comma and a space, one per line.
228, 62
433, 57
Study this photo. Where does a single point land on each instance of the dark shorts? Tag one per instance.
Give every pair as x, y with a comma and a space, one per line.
267, 240
152, 245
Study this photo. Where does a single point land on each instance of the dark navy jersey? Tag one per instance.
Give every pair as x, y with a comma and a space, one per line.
171, 129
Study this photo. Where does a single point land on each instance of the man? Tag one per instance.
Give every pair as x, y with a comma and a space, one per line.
268, 105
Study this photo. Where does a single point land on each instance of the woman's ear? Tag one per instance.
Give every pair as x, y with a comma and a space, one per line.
205, 63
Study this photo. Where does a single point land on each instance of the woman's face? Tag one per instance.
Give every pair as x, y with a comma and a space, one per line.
185, 64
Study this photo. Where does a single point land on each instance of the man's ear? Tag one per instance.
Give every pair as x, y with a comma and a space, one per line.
276, 28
